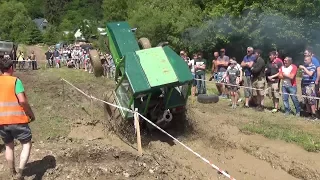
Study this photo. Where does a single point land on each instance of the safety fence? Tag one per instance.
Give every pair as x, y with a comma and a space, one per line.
257, 89
137, 128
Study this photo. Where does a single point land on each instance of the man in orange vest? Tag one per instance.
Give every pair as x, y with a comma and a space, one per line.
15, 114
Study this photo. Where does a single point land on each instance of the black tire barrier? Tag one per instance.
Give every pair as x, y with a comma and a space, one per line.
207, 99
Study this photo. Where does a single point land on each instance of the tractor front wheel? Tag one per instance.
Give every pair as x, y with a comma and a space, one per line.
96, 63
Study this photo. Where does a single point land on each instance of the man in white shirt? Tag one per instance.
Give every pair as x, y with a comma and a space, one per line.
288, 74
191, 64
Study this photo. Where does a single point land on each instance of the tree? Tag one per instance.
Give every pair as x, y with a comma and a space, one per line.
115, 10
35, 35
51, 35
35, 8
53, 9
15, 22
164, 20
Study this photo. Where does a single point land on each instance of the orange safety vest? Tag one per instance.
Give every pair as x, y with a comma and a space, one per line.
10, 110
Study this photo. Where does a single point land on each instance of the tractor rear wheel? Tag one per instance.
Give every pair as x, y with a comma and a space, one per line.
112, 114
145, 43
114, 122
96, 63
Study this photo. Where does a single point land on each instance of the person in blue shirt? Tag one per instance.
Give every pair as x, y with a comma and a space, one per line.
315, 61
308, 85
246, 65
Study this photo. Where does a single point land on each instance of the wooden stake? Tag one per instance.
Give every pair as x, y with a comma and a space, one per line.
63, 93
137, 126
91, 104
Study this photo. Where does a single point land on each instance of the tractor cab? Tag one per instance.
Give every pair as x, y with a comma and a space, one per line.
156, 81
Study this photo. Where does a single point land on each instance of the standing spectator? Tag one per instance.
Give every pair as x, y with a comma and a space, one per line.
56, 55
112, 66
184, 56
34, 61
233, 79
246, 65
238, 66
15, 113
86, 61
315, 61
6, 55
105, 64
48, 57
258, 80
308, 85
192, 68
221, 64
288, 74
278, 59
214, 67
272, 72
29, 62
21, 60
200, 68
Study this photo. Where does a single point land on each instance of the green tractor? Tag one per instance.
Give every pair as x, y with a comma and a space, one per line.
154, 80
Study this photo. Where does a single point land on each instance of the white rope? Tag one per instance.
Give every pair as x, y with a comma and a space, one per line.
150, 122
24, 60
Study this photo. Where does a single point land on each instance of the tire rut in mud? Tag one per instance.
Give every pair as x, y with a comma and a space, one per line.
101, 162
293, 167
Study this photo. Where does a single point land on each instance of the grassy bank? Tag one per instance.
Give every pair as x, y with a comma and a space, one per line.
291, 129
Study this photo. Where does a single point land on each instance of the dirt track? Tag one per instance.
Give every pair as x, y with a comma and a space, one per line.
212, 132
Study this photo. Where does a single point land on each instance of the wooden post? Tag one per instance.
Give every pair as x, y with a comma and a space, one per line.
137, 126
91, 104
63, 93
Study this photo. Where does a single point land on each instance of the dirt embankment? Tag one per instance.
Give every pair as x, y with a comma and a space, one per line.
39, 51
88, 151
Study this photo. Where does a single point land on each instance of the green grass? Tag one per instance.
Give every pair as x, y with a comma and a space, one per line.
54, 114
275, 126
286, 132
50, 122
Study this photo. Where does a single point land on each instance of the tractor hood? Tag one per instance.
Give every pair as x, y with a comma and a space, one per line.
155, 68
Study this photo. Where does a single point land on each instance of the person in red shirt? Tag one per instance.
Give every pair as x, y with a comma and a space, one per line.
287, 74
278, 60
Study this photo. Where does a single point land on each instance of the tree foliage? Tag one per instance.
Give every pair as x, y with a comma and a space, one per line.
207, 25
15, 22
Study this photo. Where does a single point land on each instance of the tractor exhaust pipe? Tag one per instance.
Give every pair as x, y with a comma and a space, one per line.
163, 44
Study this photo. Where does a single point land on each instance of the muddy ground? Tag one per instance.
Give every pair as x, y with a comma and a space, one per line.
77, 146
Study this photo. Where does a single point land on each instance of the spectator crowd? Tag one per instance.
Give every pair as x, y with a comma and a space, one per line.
276, 79
77, 57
